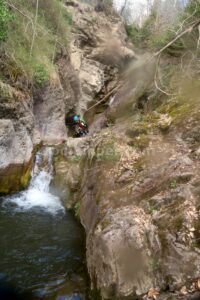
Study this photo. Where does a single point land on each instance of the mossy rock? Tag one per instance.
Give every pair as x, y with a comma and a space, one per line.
15, 178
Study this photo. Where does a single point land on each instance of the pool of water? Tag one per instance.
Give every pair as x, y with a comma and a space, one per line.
41, 244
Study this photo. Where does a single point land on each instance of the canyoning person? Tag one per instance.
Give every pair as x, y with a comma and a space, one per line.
81, 128
78, 124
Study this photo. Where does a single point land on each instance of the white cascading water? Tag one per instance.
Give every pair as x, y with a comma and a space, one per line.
38, 193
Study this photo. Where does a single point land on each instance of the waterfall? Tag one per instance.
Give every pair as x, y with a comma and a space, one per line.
38, 195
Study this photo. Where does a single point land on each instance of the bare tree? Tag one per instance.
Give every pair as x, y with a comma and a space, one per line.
126, 10
149, 6
123, 7
137, 11
134, 11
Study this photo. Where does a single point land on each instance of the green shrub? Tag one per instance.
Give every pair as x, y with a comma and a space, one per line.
161, 40
140, 36
68, 18
5, 17
173, 184
75, 158
40, 75
134, 33
192, 9
77, 208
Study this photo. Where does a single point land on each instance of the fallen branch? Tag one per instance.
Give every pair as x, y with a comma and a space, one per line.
155, 79
189, 17
188, 30
123, 8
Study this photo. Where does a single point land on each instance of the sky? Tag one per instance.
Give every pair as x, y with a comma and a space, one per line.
136, 2
138, 7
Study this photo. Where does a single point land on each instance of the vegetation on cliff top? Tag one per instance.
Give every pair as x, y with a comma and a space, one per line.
5, 17
32, 34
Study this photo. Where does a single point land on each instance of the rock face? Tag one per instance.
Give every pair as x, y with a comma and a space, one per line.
49, 111
53, 101
87, 72
68, 173
139, 207
136, 181
98, 49
16, 127
26, 121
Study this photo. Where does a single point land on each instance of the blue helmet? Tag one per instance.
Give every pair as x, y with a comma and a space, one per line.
76, 118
